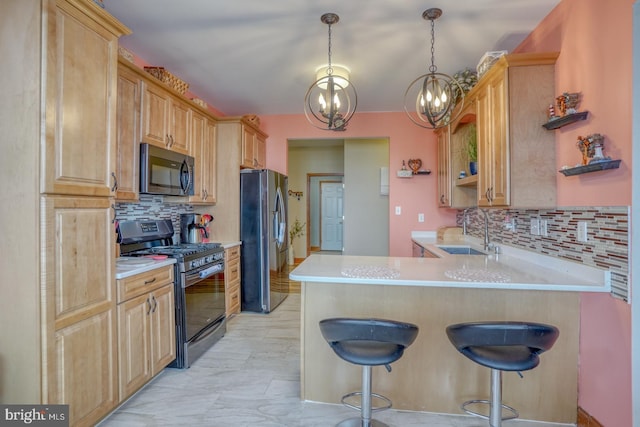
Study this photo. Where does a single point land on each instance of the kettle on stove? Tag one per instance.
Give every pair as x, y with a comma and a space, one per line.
193, 227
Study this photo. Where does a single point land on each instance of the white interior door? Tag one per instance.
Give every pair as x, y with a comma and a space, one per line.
331, 216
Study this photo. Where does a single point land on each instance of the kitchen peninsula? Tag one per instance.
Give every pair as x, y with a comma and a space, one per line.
433, 293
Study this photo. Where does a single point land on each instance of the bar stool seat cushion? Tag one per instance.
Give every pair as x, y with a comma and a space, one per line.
507, 346
370, 342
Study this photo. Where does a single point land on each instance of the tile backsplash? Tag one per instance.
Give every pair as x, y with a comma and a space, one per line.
154, 207
607, 244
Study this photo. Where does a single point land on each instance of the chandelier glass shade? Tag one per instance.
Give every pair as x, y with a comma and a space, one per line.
331, 100
430, 100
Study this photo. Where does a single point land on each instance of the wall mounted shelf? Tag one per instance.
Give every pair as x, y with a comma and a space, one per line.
593, 167
470, 181
411, 174
565, 120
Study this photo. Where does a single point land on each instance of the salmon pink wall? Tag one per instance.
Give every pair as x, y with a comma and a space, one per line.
406, 141
594, 41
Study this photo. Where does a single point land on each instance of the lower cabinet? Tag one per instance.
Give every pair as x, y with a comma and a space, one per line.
232, 280
146, 327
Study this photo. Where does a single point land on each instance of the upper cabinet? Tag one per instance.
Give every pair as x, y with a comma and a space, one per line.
128, 133
148, 111
254, 146
516, 156
203, 147
166, 119
79, 151
454, 192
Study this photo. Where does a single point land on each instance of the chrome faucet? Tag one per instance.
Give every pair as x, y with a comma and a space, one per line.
487, 241
464, 221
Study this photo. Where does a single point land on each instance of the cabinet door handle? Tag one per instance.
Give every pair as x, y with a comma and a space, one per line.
146, 282
115, 217
155, 304
167, 141
148, 305
115, 182
172, 141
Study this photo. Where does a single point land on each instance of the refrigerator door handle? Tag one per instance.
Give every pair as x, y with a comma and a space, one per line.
279, 219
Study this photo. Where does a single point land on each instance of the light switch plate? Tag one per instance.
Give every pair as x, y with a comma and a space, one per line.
535, 227
398, 210
582, 231
543, 228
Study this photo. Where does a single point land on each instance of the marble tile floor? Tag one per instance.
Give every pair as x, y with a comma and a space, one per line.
251, 377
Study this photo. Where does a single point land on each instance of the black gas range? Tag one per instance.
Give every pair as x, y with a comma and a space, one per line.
199, 290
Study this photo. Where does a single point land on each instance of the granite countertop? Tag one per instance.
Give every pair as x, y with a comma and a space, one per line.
130, 266
511, 269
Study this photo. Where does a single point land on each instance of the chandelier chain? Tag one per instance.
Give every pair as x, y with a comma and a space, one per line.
433, 67
329, 69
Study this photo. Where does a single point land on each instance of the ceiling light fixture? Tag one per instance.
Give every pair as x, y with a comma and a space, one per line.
430, 99
331, 100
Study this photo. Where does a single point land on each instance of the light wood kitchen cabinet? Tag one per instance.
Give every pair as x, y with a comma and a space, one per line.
254, 146
165, 118
79, 153
128, 133
79, 300
454, 192
232, 280
62, 317
146, 327
79, 357
516, 156
228, 160
203, 148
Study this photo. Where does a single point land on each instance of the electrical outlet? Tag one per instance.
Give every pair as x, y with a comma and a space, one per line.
582, 231
420, 217
535, 227
543, 228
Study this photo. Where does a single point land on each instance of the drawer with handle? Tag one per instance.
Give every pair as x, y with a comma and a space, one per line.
144, 282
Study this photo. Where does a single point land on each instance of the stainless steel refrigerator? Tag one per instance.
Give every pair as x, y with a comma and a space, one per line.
263, 231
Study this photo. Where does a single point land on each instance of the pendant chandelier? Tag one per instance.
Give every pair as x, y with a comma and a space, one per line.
331, 100
430, 99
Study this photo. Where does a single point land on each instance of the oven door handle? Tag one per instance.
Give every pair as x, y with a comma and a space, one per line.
210, 271
196, 276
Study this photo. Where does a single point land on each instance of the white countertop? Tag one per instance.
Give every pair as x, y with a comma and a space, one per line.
130, 266
512, 269
231, 244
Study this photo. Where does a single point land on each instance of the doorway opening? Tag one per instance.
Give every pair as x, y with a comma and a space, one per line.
325, 212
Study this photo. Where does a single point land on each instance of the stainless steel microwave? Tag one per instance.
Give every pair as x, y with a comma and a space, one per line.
165, 172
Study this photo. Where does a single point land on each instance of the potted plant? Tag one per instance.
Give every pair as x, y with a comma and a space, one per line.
295, 230
472, 148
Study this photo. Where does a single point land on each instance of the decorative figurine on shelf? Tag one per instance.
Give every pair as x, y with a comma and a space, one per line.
404, 167
415, 165
591, 148
567, 103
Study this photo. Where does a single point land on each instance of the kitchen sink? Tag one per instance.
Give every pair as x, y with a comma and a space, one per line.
461, 250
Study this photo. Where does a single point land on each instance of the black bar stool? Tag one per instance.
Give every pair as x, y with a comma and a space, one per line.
501, 346
367, 342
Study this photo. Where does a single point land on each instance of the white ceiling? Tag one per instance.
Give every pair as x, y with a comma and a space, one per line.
259, 57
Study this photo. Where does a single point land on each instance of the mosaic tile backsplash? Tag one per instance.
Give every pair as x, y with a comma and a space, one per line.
154, 207
607, 244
